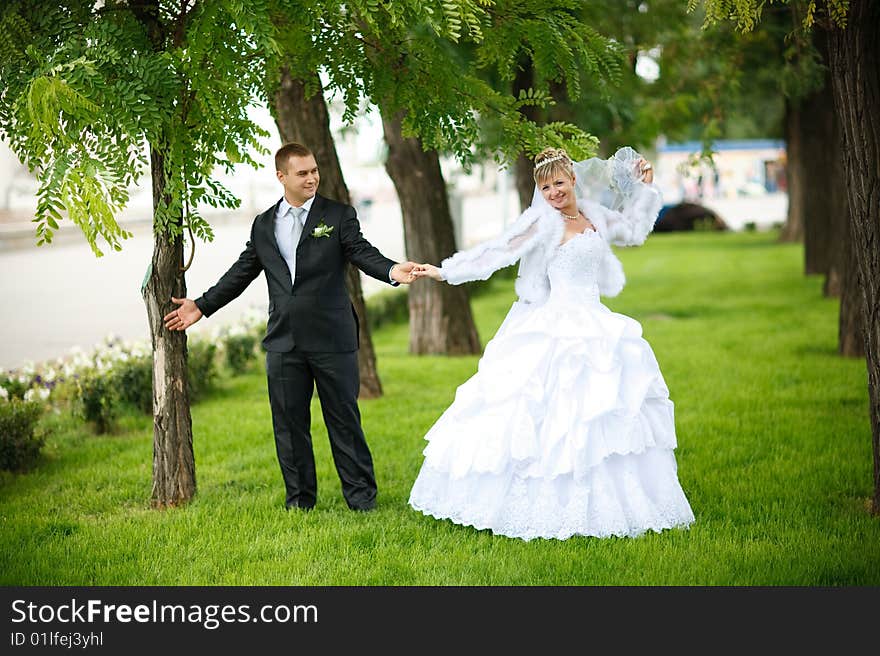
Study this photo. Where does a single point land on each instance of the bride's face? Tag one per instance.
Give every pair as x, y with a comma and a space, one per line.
558, 191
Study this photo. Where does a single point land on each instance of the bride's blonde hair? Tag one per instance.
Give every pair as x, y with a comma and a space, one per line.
550, 163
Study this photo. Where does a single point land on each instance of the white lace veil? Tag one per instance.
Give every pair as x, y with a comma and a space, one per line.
610, 182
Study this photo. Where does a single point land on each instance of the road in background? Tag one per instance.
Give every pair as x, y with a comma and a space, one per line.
60, 296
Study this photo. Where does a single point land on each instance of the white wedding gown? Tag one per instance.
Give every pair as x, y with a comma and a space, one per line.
566, 428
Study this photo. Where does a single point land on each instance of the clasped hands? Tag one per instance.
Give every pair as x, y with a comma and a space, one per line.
407, 272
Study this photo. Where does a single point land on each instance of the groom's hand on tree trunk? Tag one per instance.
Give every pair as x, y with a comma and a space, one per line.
184, 316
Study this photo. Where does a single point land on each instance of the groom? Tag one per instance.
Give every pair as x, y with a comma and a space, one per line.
302, 244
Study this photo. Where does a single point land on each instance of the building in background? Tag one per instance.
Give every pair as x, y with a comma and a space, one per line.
745, 183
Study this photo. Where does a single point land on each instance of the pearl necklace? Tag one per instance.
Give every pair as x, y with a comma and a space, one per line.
569, 217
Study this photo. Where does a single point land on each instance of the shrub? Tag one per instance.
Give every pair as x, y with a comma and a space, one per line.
133, 378
134, 382
202, 368
240, 351
386, 307
97, 400
20, 444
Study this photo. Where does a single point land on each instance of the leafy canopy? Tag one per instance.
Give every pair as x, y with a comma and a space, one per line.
425, 60
88, 88
747, 14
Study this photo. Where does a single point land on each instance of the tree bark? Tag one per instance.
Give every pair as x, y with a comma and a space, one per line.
440, 319
793, 230
851, 335
819, 204
174, 469
306, 121
841, 280
523, 167
854, 55
811, 129
839, 247
525, 183
810, 126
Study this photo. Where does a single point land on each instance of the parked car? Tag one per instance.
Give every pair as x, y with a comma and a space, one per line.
688, 216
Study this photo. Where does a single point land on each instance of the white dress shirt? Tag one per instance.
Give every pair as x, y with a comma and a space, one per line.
284, 219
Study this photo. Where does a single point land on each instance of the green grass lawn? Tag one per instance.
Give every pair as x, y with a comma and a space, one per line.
774, 455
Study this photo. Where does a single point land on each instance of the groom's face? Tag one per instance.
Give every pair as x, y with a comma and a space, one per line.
300, 179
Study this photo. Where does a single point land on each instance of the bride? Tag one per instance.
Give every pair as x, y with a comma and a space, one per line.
567, 427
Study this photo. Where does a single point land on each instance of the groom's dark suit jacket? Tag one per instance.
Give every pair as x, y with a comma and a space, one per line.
312, 313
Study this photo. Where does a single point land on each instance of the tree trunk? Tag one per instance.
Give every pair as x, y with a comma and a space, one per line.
174, 469
793, 230
811, 128
440, 319
839, 247
828, 243
525, 182
854, 55
524, 165
851, 336
842, 278
306, 121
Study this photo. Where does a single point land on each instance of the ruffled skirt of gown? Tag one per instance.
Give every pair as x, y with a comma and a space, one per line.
566, 429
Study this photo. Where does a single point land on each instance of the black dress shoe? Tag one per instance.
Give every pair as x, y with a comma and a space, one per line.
295, 506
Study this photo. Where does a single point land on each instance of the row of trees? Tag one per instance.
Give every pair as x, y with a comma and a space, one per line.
86, 85
832, 125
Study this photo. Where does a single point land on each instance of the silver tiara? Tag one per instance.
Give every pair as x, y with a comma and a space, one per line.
555, 158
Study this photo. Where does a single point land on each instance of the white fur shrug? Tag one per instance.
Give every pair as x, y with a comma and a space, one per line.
533, 237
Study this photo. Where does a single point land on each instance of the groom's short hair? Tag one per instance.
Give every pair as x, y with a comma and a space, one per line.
287, 151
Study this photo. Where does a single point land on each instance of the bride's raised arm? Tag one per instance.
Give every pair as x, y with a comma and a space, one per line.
625, 205
631, 225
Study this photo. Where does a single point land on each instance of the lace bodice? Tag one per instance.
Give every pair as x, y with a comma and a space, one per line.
574, 268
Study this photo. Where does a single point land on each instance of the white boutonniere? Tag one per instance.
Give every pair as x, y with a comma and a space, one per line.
323, 230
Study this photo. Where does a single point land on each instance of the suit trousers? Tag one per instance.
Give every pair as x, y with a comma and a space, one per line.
292, 377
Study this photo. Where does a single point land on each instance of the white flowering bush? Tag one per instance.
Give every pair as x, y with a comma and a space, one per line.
29, 382
120, 372
237, 343
133, 376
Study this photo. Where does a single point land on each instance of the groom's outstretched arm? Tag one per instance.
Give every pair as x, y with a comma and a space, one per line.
233, 282
367, 257
229, 287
